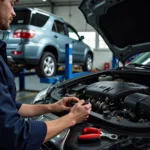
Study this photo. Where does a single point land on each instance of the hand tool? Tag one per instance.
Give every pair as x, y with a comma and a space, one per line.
92, 134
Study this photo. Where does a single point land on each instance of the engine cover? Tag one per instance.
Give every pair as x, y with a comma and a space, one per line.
114, 90
139, 104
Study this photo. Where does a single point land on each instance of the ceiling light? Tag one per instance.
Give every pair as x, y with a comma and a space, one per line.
44, 0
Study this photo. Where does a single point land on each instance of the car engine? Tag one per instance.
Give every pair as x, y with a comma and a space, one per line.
120, 104
125, 99
115, 98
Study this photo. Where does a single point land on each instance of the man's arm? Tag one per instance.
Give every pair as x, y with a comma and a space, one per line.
78, 113
28, 110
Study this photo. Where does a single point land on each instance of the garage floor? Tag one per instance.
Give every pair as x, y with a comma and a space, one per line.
32, 86
25, 96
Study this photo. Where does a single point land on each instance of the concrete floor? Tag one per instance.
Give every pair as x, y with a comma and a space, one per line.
32, 87
25, 96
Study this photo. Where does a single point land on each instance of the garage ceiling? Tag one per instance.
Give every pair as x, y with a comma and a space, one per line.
44, 3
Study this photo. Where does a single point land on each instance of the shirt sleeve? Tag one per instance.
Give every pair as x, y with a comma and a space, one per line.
37, 135
15, 132
18, 105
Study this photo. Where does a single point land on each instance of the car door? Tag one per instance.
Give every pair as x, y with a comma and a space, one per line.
61, 39
78, 46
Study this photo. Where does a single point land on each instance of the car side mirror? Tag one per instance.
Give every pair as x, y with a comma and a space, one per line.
81, 38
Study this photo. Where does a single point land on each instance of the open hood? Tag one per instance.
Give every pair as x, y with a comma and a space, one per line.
123, 24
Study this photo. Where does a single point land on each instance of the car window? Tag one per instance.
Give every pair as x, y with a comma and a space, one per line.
72, 33
60, 27
39, 20
22, 17
54, 27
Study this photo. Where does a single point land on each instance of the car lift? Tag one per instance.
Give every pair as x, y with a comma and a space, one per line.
21, 77
114, 62
68, 69
55, 79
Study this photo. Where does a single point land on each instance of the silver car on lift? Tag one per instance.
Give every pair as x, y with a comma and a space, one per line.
37, 40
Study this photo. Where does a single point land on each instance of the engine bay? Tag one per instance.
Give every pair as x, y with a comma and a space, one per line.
111, 97
125, 99
120, 104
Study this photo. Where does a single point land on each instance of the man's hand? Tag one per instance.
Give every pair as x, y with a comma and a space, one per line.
80, 111
63, 104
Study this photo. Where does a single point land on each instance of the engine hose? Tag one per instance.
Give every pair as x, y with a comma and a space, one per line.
118, 113
131, 116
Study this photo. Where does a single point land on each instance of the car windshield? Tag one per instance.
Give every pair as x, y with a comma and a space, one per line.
141, 60
22, 17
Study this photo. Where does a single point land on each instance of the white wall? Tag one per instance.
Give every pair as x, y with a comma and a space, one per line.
45, 8
101, 57
75, 17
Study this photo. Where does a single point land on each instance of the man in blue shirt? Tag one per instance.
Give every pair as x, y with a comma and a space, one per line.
15, 132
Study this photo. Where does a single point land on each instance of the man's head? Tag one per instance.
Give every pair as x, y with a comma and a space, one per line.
6, 13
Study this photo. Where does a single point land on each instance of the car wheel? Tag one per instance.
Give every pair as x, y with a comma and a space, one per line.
88, 63
47, 65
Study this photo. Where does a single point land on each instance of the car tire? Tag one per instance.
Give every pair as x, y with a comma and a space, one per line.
88, 64
47, 66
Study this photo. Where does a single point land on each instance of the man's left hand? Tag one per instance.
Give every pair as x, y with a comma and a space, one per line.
62, 104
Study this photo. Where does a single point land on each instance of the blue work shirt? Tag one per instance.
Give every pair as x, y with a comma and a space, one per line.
15, 132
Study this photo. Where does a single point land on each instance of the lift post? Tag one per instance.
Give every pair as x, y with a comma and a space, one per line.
68, 63
21, 76
114, 62
68, 69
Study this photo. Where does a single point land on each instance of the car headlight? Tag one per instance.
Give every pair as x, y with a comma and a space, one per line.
40, 96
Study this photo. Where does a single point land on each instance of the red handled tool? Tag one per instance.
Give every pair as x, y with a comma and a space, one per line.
93, 134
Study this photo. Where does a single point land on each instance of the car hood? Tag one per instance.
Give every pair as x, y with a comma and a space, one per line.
123, 24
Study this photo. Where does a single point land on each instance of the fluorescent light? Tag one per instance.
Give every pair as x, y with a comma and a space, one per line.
44, 0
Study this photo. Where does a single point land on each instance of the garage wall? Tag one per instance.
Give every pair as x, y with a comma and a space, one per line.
45, 8
101, 57
74, 16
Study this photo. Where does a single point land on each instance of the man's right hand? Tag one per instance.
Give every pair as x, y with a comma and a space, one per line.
80, 112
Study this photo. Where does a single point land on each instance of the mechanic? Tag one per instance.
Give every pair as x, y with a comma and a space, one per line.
16, 133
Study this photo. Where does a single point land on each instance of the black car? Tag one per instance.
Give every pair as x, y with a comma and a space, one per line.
120, 97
